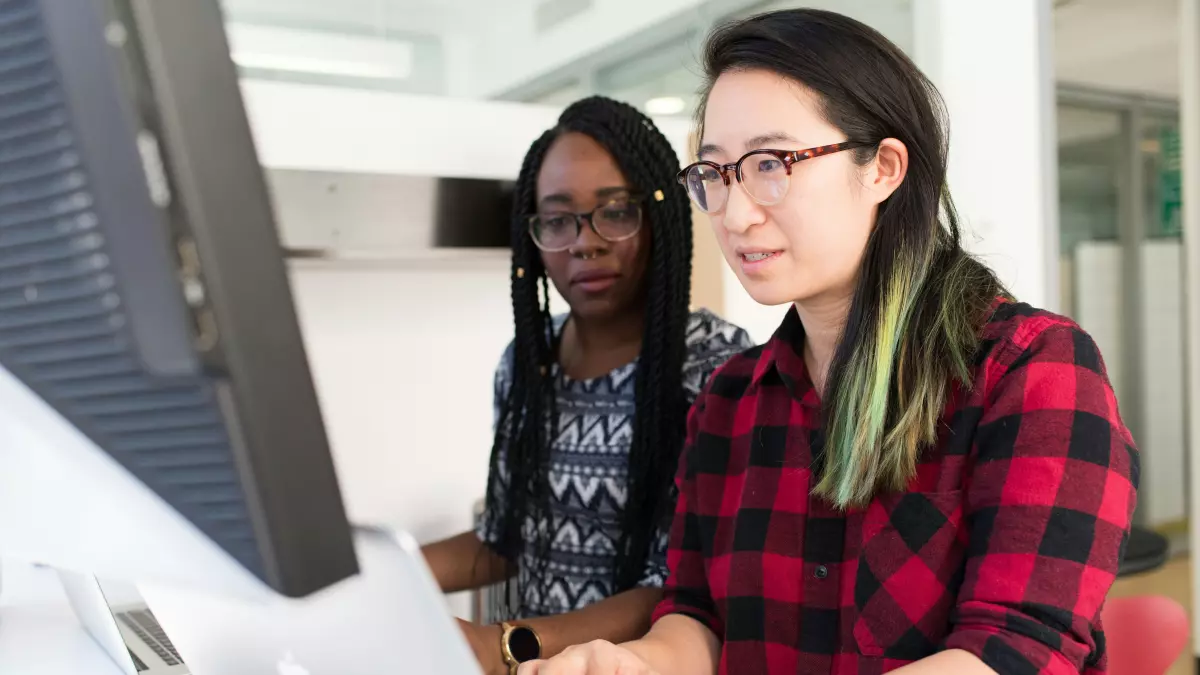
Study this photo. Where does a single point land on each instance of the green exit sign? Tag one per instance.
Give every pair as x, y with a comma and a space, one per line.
1170, 183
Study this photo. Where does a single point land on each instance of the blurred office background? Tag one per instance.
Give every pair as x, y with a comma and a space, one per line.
1066, 160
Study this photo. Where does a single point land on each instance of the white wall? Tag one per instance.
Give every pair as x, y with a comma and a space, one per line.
998, 84
341, 129
403, 357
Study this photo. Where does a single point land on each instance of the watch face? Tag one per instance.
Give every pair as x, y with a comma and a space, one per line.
523, 644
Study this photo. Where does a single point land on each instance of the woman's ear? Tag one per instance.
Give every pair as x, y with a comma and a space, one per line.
886, 172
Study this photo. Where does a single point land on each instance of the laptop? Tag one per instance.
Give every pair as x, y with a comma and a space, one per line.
391, 618
129, 633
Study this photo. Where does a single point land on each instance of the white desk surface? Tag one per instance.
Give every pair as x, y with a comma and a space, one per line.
38, 631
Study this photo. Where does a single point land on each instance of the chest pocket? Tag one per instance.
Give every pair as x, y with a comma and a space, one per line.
910, 568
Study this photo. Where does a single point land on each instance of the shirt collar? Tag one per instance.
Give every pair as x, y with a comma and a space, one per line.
784, 355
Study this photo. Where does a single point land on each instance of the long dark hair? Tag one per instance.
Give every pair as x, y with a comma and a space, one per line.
528, 416
921, 300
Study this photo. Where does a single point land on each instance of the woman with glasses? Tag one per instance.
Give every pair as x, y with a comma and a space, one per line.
591, 406
917, 472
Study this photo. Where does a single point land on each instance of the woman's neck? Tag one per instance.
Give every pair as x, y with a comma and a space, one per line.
596, 334
823, 318
591, 347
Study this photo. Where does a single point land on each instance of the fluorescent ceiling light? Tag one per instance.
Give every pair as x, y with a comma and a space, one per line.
299, 64
665, 105
317, 52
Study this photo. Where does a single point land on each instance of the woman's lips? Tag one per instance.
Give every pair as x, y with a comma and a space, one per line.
595, 281
754, 262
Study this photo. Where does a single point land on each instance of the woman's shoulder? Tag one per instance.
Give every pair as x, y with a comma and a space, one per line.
707, 332
1017, 332
711, 342
1020, 324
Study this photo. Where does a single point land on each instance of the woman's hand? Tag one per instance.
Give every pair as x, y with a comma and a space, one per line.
597, 657
485, 642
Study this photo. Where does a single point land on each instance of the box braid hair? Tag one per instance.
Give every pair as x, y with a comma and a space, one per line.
528, 416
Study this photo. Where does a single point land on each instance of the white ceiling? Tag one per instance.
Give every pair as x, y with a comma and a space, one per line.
1127, 45
366, 12
358, 16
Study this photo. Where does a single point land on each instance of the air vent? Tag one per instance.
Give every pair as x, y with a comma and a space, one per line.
554, 12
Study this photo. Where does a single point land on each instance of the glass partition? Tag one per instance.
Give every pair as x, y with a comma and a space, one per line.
1122, 272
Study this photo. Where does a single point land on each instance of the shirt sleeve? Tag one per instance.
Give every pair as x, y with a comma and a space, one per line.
489, 526
706, 357
686, 590
1049, 501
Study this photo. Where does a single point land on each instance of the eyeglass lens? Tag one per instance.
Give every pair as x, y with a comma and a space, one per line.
614, 222
763, 175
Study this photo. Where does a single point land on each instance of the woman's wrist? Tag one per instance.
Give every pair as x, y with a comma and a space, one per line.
655, 653
678, 645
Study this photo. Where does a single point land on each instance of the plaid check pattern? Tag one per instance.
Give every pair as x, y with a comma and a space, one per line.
1004, 545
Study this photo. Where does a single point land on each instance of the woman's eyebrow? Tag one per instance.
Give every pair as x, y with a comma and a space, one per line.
769, 138
753, 143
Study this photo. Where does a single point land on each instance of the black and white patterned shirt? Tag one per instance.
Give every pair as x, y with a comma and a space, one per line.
588, 468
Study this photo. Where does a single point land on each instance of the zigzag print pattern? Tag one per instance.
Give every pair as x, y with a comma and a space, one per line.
589, 472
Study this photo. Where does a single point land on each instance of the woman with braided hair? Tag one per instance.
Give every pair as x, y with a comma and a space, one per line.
591, 406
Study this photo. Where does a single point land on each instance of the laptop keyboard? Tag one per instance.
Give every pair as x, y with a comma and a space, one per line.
138, 664
146, 627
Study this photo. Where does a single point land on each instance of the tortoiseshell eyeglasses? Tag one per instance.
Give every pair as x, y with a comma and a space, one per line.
765, 178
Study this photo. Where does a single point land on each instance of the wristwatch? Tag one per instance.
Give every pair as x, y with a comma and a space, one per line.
519, 644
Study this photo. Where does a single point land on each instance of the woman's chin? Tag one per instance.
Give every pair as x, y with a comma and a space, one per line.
769, 294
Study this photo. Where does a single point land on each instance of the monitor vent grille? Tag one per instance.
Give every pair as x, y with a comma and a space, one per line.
63, 330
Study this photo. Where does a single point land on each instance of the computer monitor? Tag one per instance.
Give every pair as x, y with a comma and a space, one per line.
158, 421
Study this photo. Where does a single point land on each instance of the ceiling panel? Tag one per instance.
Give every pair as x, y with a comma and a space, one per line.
1126, 45
357, 15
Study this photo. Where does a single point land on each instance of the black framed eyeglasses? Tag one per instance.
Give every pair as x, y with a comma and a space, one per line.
617, 220
763, 174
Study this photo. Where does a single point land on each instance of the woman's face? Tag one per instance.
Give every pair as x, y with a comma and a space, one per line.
599, 279
814, 239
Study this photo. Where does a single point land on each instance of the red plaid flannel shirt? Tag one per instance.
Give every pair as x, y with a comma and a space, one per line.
1004, 545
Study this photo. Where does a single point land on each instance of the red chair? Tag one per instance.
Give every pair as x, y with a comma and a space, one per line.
1145, 634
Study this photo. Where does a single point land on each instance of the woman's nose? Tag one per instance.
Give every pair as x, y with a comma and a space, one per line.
741, 212
587, 242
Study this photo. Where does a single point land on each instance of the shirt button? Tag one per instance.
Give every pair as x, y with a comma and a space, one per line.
822, 572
